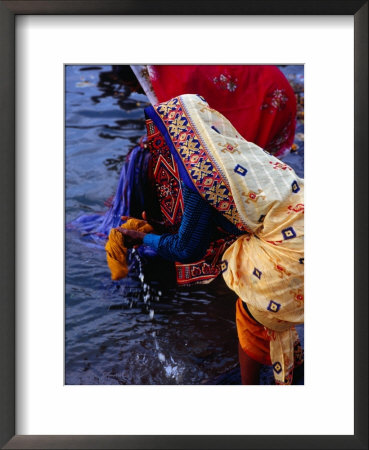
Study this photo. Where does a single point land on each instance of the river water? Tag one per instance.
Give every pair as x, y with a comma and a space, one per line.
187, 335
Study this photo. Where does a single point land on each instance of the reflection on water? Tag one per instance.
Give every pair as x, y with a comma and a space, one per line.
120, 333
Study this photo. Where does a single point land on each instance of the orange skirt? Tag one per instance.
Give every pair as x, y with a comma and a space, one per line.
253, 336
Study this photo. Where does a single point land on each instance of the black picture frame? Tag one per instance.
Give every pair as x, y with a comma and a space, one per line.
8, 11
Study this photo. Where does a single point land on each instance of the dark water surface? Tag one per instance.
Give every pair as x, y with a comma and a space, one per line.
187, 335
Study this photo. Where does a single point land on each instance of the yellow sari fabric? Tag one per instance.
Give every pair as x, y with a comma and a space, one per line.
259, 194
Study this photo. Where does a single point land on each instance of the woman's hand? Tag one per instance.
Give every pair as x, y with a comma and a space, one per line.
158, 226
133, 237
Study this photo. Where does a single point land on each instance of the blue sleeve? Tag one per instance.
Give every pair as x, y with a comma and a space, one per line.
194, 235
152, 240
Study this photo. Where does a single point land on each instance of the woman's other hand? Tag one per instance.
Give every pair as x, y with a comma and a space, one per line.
158, 226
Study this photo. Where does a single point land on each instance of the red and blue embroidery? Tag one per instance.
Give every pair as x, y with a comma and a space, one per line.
167, 179
206, 269
205, 175
169, 193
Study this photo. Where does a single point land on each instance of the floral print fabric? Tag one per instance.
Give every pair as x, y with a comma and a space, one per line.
257, 99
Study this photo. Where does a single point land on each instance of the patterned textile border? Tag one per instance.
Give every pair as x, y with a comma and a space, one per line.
169, 193
193, 157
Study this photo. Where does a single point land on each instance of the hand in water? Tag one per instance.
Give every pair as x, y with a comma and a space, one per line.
158, 226
133, 237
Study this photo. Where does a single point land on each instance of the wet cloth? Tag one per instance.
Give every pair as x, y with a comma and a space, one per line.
257, 99
116, 249
258, 194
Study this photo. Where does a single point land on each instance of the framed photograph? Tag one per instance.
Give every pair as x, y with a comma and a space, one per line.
176, 300
92, 361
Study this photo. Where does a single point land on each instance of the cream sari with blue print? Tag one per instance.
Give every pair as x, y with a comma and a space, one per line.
260, 195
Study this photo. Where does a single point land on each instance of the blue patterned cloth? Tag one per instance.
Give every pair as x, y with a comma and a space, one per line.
198, 227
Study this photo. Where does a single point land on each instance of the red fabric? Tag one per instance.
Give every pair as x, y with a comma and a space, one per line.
257, 100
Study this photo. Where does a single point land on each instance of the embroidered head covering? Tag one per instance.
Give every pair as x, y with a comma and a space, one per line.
238, 178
